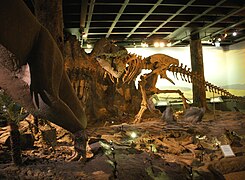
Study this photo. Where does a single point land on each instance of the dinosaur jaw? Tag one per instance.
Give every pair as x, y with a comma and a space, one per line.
170, 80
175, 62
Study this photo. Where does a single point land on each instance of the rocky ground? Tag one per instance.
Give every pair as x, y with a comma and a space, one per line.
152, 149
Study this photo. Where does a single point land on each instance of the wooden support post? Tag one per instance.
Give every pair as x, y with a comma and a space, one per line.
199, 93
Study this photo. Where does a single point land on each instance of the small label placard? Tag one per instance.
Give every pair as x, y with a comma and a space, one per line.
227, 151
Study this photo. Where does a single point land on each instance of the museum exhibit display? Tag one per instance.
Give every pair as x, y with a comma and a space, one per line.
127, 89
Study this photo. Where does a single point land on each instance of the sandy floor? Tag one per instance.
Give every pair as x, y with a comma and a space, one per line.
156, 151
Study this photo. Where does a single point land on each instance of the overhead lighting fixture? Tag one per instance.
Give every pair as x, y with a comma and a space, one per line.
144, 44
159, 44
217, 44
162, 44
234, 33
156, 44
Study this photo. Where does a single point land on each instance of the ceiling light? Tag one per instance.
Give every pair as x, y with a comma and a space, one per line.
144, 44
234, 33
217, 44
159, 44
162, 44
156, 44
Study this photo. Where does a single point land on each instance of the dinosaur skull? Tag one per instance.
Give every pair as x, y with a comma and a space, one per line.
162, 63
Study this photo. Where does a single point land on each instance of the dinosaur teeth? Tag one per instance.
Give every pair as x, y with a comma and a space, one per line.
173, 69
182, 77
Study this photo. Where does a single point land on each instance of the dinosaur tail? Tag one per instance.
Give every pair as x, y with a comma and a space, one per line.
189, 76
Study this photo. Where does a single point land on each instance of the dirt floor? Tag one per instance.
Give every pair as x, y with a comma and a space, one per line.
151, 149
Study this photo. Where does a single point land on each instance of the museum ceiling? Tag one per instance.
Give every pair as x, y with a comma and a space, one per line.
133, 22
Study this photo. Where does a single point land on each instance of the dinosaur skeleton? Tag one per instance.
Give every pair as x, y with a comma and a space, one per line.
129, 67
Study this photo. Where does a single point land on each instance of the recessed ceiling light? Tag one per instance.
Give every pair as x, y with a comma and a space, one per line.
156, 44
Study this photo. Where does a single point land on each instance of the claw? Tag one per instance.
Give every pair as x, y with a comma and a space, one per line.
176, 75
80, 145
75, 157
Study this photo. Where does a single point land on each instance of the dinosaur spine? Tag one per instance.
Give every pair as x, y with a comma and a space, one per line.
187, 75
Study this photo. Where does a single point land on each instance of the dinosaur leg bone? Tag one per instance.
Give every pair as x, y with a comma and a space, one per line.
146, 102
143, 106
